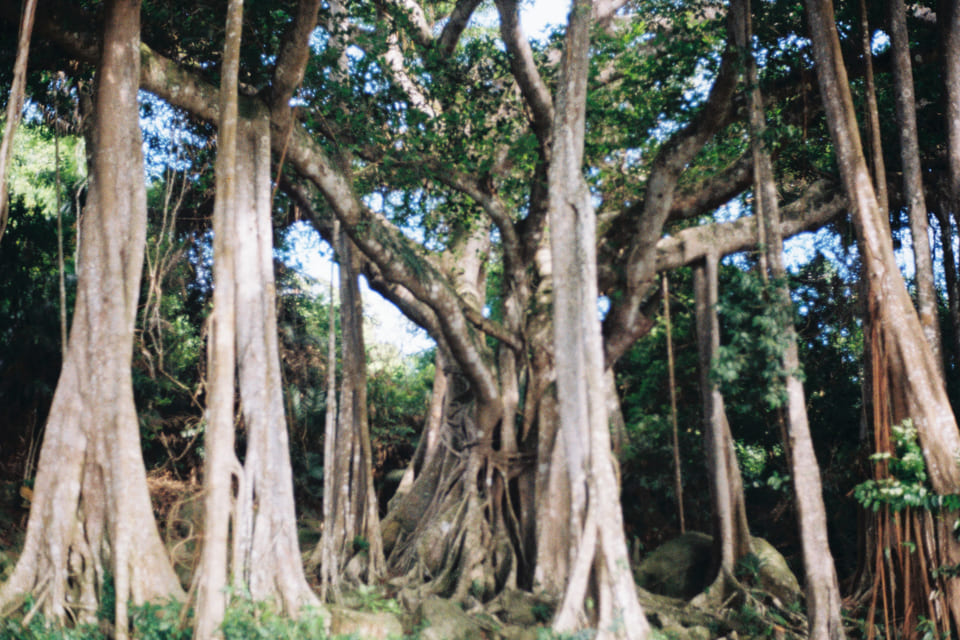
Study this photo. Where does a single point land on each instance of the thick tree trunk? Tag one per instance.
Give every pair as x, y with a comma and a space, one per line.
731, 532
91, 514
910, 360
599, 560
912, 177
266, 553
455, 524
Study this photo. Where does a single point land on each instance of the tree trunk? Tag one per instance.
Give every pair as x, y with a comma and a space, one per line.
15, 106
455, 525
731, 532
910, 359
822, 590
873, 113
599, 554
912, 177
672, 381
91, 514
350, 465
325, 553
950, 276
213, 569
266, 552
430, 437
948, 22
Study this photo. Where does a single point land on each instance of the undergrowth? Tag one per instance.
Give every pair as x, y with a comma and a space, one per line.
244, 620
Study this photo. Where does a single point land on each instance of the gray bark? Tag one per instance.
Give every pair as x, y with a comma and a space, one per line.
730, 527
595, 519
912, 176
213, 569
909, 356
91, 513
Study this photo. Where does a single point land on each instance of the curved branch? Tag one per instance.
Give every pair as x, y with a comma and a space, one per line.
624, 322
821, 202
524, 69
305, 195
401, 260
294, 53
455, 26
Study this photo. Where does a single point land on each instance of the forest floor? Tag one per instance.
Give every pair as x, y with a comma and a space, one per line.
370, 613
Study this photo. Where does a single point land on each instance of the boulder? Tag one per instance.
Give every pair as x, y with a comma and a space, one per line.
445, 620
369, 625
522, 608
775, 576
678, 568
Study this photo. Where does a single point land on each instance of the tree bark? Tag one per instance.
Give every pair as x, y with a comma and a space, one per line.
731, 532
350, 466
948, 23
910, 358
266, 553
91, 514
873, 114
213, 568
595, 519
912, 176
822, 590
950, 276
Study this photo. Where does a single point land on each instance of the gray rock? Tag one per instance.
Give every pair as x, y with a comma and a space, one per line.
445, 620
369, 625
678, 568
775, 576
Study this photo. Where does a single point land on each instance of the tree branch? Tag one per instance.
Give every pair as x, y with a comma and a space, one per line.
624, 322
524, 69
294, 53
456, 23
819, 204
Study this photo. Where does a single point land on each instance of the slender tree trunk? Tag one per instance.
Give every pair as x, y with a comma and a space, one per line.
950, 275
948, 23
325, 554
595, 520
822, 590
731, 533
873, 113
91, 514
677, 471
213, 568
912, 176
911, 360
15, 105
